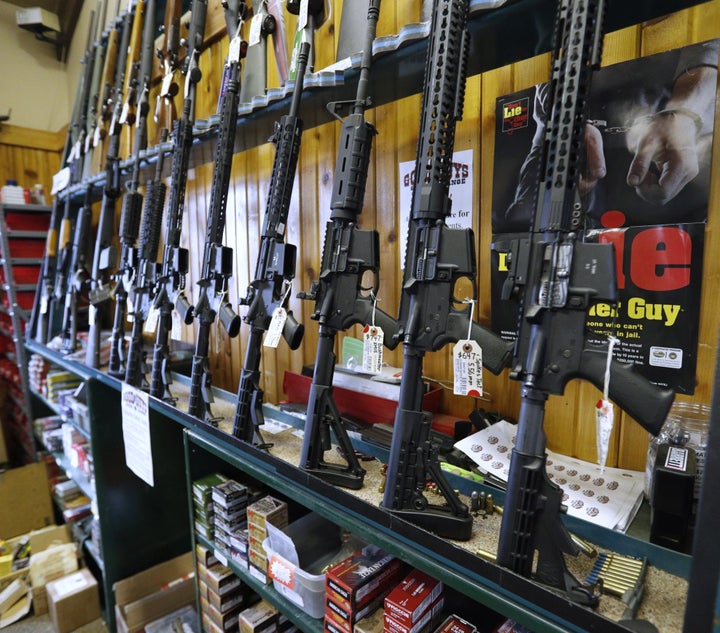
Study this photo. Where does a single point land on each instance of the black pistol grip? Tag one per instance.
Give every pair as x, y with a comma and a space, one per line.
293, 331
647, 403
389, 327
496, 352
184, 309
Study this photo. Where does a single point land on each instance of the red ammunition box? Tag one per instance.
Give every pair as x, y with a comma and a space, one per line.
423, 623
361, 577
455, 624
411, 598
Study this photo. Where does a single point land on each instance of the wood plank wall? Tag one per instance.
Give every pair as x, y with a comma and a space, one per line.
570, 419
29, 156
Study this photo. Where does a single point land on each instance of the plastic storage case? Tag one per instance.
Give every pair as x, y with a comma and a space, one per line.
298, 552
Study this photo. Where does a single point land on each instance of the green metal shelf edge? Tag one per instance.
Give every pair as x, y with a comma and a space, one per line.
291, 610
518, 597
477, 588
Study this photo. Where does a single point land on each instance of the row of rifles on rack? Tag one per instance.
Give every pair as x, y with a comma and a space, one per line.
553, 272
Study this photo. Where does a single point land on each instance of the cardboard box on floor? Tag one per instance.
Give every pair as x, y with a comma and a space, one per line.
73, 601
25, 502
153, 593
54, 555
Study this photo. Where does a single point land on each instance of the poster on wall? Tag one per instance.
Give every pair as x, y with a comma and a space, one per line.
461, 192
644, 189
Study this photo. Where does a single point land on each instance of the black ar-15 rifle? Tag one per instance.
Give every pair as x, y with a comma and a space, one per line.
557, 277
170, 283
77, 274
105, 257
351, 258
143, 279
217, 262
129, 217
437, 257
268, 293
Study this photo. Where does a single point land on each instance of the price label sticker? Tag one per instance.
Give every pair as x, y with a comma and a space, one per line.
373, 337
255, 29
150, 325
277, 323
467, 364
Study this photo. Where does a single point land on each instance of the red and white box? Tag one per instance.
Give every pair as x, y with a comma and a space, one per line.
407, 603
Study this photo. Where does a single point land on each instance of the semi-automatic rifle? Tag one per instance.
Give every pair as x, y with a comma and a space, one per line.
103, 109
218, 260
129, 231
95, 90
112, 159
59, 242
78, 120
105, 256
77, 274
170, 283
268, 293
143, 279
556, 277
169, 56
129, 88
437, 257
342, 295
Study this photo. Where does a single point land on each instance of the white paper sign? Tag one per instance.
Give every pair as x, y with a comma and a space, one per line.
136, 433
461, 192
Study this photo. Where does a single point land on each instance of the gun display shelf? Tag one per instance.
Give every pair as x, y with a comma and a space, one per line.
23, 230
155, 523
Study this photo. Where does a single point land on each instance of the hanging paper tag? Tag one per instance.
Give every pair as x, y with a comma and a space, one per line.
277, 323
96, 136
255, 29
604, 416
43, 304
176, 329
150, 325
234, 50
61, 180
292, 73
303, 16
467, 361
124, 113
373, 337
166, 83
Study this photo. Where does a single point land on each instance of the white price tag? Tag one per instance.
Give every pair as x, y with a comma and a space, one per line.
60, 180
303, 15
130, 312
124, 113
166, 83
43, 304
277, 323
234, 50
255, 29
176, 330
604, 418
467, 363
96, 136
373, 337
150, 325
